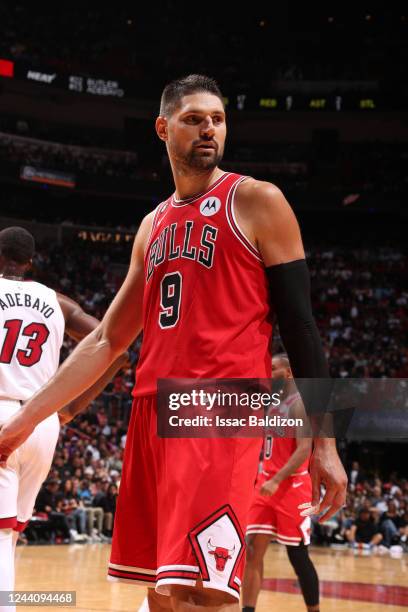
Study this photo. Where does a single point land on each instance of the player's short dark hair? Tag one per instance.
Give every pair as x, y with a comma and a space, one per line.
17, 245
191, 84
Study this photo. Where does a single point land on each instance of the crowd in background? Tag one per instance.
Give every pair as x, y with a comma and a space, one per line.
77, 502
359, 295
360, 302
375, 518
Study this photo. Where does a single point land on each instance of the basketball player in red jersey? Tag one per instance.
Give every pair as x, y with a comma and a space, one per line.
282, 487
208, 267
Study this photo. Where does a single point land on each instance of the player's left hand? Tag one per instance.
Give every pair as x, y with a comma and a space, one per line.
326, 469
269, 487
13, 433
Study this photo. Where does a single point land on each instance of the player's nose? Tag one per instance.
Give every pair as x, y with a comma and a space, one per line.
207, 126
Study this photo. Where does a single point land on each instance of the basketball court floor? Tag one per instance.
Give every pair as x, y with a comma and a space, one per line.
348, 582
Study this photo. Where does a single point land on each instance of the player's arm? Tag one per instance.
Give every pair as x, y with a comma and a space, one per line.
82, 402
276, 233
91, 358
264, 214
78, 324
303, 449
269, 222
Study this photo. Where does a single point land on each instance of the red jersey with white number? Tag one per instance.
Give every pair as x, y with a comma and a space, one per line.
205, 305
31, 333
277, 451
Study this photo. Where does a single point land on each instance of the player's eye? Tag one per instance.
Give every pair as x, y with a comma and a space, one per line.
192, 119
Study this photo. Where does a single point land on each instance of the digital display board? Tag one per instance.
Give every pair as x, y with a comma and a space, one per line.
108, 87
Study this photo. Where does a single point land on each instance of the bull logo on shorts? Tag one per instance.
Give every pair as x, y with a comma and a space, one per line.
221, 555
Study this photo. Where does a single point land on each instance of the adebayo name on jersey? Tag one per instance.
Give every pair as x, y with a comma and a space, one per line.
11, 300
164, 248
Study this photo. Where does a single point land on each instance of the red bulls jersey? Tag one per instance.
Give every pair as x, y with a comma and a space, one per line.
277, 451
205, 305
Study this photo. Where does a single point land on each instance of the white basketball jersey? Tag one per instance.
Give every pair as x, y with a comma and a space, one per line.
31, 333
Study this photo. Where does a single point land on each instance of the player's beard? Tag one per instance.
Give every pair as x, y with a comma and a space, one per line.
195, 162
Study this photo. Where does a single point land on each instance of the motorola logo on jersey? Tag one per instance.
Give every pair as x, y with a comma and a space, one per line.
210, 206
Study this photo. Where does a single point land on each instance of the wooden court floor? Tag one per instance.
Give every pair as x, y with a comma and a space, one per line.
348, 582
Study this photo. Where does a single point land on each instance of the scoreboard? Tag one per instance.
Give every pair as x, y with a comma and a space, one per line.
302, 102
241, 101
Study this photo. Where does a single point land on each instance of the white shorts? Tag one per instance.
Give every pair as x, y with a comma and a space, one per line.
26, 470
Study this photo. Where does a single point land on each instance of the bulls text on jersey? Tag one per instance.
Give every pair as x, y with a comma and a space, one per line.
200, 249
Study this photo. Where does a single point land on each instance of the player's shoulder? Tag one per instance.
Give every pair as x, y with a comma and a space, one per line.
251, 189
258, 195
148, 220
35, 285
67, 305
143, 235
261, 203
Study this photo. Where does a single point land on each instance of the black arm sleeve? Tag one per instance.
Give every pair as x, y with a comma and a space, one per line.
290, 299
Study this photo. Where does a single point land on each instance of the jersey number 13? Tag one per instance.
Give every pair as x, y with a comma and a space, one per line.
37, 334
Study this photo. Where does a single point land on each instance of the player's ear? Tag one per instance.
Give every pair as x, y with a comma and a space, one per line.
161, 128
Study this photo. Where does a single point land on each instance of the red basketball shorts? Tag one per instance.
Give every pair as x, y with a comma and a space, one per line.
182, 507
279, 515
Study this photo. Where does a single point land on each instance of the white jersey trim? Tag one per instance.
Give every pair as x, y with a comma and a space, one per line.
156, 214
132, 568
163, 581
185, 568
232, 222
178, 203
149, 585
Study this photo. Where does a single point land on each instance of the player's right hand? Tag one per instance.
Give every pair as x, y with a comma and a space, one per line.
269, 487
13, 433
326, 469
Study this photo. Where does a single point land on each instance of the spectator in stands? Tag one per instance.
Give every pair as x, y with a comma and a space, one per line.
106, 499
47, 503
96, 512
73, 508
364, 530
377, 500
355, 475
390, 525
